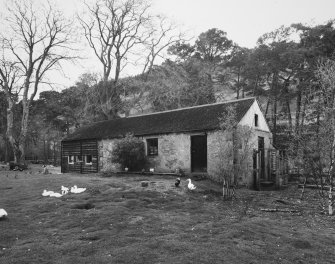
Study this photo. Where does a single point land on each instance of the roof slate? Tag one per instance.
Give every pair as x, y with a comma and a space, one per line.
191, 119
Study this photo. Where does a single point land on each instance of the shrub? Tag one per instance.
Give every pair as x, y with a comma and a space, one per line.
129, 152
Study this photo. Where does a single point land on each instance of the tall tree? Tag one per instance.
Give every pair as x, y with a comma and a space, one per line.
237, 65
213, 45
113, 29
175, 85
316, 42
314, 148
280, 57
37, 42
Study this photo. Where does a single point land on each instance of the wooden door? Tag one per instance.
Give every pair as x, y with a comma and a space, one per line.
199, 153
261, 151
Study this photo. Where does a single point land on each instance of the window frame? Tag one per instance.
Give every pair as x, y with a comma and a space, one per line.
88, 163
69, 159
79, 158
152, 152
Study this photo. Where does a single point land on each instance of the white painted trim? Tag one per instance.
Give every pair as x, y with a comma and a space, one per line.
68, 159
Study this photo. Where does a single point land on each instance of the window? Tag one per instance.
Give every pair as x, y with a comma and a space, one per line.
256, 120
79, 159
88, 159
70, 159
152, 146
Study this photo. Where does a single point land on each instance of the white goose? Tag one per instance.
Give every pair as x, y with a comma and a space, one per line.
47, 193
54, 194
51, 194
3, 213
190, 185
65, 190
75, 189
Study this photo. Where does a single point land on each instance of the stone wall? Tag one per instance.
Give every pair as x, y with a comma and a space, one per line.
105, 150
173, 153
216, 140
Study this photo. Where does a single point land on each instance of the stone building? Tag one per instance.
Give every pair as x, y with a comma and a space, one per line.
184, 139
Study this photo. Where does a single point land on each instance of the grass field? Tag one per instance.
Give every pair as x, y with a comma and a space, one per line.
118, 221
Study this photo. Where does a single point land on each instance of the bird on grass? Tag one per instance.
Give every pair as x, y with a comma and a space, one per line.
65, 190
51, 194
177, 182
46, 193
190, 185
3, 213
75, 189
54, 194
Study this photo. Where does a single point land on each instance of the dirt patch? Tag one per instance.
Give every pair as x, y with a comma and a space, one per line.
90, 238
301, 244
83, 206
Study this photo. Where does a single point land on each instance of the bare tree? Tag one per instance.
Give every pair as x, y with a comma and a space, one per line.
123, 32
313, 150
164, 34
113, 29
38, 39
10, 75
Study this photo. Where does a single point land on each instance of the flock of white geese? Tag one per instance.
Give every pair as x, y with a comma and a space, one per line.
65, 190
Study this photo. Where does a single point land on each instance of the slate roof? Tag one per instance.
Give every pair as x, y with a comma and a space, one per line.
191, 119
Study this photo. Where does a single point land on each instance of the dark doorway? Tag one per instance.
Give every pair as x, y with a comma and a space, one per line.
255, 171
261, 151
199, 153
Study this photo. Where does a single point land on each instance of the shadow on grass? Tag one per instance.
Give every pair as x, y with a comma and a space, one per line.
83, 206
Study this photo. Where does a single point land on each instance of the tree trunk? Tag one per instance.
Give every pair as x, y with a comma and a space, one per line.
255, 86
24, 131
6, 149
238, 86
331, 170
10, 131
274, 109
298, 110
267, 106
287, 102
274, 120
44, 151
330, 202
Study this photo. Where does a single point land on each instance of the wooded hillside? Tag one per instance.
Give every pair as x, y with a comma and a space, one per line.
280, 70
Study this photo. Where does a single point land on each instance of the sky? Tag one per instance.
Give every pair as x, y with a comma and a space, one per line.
243, 20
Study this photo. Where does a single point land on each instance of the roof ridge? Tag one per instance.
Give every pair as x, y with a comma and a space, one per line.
191, 107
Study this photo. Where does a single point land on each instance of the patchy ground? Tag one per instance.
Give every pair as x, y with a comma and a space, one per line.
118, 221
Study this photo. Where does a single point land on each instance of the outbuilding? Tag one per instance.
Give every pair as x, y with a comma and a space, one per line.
177, 139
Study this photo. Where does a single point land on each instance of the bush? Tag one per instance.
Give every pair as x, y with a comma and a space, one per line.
129, 152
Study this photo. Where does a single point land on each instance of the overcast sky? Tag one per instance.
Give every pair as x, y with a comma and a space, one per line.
243, 20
